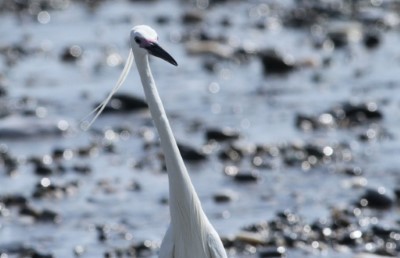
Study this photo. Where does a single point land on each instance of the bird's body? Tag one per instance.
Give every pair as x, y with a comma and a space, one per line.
190, 234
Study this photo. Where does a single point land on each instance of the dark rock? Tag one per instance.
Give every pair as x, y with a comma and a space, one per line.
102, 232
18, 126
13, 200
82, 169
247, 177
302, 17
385, 252
71, 54
15, 52
275, 63
3, 90
347, 240
40, 255
261, 162
344, 115
43, 170
350, 114
272, 252
44, 215
210, 64
134, 186
308, 155
9, 163
191, 154
371, 40
87, 151
231, 153
397, 194
382, 231
306, 123
226, 22
16, 249
343, 33
243, 55
378, 133
219, 135
192, 17
375, 199
353, 171
378, 18
288, 217
223, 197
144, 248
46, 189
121, 102
163, 19
58, 153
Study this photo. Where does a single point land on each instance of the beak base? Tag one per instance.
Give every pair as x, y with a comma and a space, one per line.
156, 50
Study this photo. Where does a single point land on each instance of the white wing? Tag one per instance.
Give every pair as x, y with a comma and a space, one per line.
215, 246
167, 245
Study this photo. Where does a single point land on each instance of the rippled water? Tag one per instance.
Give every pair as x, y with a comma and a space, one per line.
240, 96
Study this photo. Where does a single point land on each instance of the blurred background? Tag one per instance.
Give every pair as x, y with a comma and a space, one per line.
286, 113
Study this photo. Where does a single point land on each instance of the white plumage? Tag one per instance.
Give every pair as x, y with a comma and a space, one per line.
190, 234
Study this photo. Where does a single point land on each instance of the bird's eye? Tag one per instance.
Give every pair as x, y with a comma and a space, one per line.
138, 40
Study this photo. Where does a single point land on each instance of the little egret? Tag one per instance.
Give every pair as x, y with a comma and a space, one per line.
190, 234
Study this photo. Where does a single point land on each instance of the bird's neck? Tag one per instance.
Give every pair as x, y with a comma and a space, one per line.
184, 202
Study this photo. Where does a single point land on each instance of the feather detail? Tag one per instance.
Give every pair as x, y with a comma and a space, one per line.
99, 109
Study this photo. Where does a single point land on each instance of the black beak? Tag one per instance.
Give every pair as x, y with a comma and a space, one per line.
155, 50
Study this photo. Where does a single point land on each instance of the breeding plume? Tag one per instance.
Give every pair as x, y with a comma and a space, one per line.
190, 234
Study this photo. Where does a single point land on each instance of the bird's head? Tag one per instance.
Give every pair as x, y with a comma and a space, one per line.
144, 40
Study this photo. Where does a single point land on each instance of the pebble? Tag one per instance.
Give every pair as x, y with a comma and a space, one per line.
43, 169
71, 54
378, 18
134, 186
353, 171
247, 177
122, 102
211, 48
224, 197
345, 115
252, 238
276, 63
192, 17
44, 215
371, 40
163, 19
375, 199
9, 162
14, 200
17, 248
19, 126
83, 169
231, 153
350, 114
272, 252
46, 189
397, 194
191, 154
144, 248
344, 33
102, 232
41, 255
220, 135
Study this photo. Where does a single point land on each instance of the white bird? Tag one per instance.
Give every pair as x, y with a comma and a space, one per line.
190, 234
